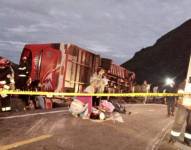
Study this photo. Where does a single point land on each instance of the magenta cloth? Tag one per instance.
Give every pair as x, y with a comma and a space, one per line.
86, 100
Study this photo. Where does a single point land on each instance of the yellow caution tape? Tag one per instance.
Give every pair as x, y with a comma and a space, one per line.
51, 94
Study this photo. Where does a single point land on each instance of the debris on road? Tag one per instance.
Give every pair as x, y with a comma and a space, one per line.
105, 111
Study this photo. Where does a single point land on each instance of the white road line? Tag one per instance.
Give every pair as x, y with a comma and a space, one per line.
35, 114
36, 125
151, 110
158, 139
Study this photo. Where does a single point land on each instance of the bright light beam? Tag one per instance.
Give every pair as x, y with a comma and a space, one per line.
169, 81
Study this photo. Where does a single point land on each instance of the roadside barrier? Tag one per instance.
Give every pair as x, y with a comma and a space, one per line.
51, 94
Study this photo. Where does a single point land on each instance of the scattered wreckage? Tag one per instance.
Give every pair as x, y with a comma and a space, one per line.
105, 111
60, 67
93, 107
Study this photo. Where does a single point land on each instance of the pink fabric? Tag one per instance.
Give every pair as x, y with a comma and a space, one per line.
107, 106
86, 100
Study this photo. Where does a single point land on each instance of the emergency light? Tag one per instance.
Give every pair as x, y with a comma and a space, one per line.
169, 81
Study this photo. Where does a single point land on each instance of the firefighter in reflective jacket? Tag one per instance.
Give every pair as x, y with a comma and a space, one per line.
6, 83
22, 74
183, 114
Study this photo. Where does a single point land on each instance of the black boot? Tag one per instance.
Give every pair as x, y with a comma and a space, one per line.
173, 139
187, 141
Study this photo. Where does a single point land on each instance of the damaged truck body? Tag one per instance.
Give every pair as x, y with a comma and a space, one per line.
67, 68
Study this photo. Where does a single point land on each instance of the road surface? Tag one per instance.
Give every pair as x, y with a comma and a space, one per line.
145, 129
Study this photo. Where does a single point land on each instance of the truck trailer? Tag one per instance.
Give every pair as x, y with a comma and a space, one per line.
64, 67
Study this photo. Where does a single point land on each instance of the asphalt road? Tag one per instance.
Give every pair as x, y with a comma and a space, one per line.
145, 129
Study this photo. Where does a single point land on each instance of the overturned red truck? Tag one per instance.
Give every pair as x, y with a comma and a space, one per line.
67, 68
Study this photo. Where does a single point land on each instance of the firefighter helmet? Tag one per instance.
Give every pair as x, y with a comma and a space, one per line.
4, 62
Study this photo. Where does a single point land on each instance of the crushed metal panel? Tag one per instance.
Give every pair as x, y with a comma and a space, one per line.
70, 72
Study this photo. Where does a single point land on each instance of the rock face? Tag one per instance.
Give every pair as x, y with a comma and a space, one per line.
168, 57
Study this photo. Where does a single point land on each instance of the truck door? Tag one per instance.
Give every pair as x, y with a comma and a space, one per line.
48, 68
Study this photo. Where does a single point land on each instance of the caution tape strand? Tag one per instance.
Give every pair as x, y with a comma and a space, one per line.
13, 92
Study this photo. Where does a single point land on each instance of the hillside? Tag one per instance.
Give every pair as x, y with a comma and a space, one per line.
168, 57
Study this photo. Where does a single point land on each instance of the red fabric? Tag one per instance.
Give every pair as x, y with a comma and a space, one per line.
86, 100
48, 103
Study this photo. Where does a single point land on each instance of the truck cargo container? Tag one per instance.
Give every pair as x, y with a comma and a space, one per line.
67, 68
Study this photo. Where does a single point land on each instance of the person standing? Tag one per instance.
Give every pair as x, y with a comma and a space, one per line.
155, 90
99, 84
183, 115
6, 83
170, 100
145, 89
22, 79
22, 74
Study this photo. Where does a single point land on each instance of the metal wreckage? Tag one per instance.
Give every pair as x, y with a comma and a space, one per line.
60, 67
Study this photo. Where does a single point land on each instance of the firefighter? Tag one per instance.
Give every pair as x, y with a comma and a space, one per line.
22, 79
22, 74
6, 83
182, 115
